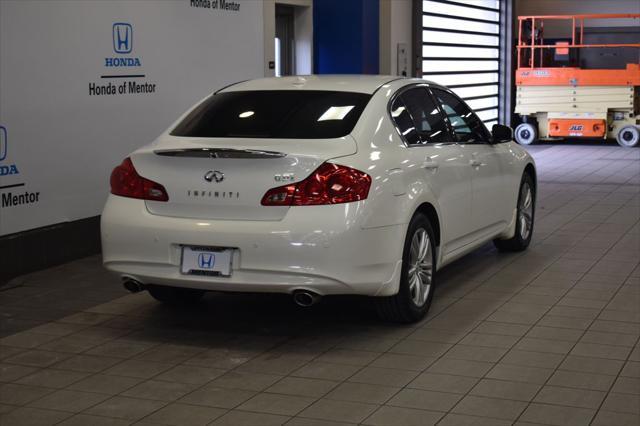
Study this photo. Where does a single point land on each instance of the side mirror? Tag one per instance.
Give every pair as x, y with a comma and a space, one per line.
501, 134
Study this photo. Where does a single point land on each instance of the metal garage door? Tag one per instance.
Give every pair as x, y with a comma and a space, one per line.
461, 45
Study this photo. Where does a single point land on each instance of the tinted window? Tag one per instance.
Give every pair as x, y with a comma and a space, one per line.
426, 116
417, 117
302, 114
404, 122
465, 123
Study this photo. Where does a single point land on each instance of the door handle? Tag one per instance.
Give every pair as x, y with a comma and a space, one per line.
429, 164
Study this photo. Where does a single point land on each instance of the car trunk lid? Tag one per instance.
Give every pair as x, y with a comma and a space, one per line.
222, 178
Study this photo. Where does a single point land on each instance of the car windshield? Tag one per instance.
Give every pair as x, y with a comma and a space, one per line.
294, 114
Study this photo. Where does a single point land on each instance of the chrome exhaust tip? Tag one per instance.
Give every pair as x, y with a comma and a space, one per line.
305, 298
133, 286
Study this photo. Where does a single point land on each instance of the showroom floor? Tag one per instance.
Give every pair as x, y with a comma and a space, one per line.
548, 336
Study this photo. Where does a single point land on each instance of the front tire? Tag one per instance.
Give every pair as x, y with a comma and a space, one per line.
628, 136
524, 219
415, 293
175, 295
526, 133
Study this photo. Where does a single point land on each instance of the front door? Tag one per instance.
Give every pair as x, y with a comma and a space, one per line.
490, 212
436, 161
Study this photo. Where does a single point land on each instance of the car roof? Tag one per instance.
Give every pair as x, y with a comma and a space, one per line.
340, 83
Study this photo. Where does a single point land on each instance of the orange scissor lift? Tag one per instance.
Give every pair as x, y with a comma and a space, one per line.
562, 100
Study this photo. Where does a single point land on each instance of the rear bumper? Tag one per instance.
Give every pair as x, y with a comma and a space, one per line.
318, 248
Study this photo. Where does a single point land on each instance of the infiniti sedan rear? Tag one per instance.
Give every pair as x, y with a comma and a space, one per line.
316, 186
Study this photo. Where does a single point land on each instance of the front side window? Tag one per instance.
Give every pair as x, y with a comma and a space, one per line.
283, 114
415, 112
466, 125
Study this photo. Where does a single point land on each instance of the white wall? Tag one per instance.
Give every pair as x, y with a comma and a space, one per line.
65, 142
572, 7
395, 27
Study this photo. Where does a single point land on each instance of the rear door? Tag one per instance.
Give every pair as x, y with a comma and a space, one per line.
223, 157
436, 160
490, 212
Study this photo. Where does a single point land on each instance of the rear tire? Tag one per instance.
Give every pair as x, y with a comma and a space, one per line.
175, 295
629, 136
526, 133
415, 293
524, 218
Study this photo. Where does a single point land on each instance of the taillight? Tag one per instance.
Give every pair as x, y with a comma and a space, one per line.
328, 184
126, 182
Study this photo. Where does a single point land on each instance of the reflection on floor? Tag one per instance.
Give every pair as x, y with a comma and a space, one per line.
549, 336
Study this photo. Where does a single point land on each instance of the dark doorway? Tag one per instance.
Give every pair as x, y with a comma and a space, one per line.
285, 40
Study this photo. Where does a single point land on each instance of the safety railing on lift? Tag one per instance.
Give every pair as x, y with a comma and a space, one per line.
535, 26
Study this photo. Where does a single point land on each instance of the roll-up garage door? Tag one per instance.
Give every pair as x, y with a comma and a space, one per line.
461, 50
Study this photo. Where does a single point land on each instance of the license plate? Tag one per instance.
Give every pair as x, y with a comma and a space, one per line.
206, 261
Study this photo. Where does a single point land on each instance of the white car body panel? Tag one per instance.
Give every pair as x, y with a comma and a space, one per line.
351, 248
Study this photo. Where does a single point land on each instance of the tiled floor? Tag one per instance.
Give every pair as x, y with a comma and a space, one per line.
549, 336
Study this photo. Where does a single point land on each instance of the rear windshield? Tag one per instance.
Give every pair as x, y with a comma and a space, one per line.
275, 114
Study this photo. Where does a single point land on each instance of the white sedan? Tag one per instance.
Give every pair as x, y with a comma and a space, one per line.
314, 186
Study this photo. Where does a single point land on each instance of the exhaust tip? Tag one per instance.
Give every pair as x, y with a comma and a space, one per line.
133, 286
305, 298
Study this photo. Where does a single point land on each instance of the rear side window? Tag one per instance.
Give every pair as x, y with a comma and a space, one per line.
418, 119
404, 122
466, 125
426, 116
293, 114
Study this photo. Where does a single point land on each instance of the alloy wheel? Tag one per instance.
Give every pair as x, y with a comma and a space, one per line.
420, 267
525, 210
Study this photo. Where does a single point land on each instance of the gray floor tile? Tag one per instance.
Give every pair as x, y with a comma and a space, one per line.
21, 394
11, 372
582, 398
243, 418
591, 365
345, 411
51, 378
505, 389
159, 390
68, 400
217, 397
404, 362
33, 417
610, 418
383, 376
183, 414
518, 373
362, 392
102, 383
453, 419
326, 371
460, 367
581, 380
490, 407
86, 419
557, 415
391, 416
425, 400
622, 403
121, 407
443, 383
288, 405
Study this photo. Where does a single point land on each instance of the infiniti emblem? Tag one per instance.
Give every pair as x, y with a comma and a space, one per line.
214, 175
